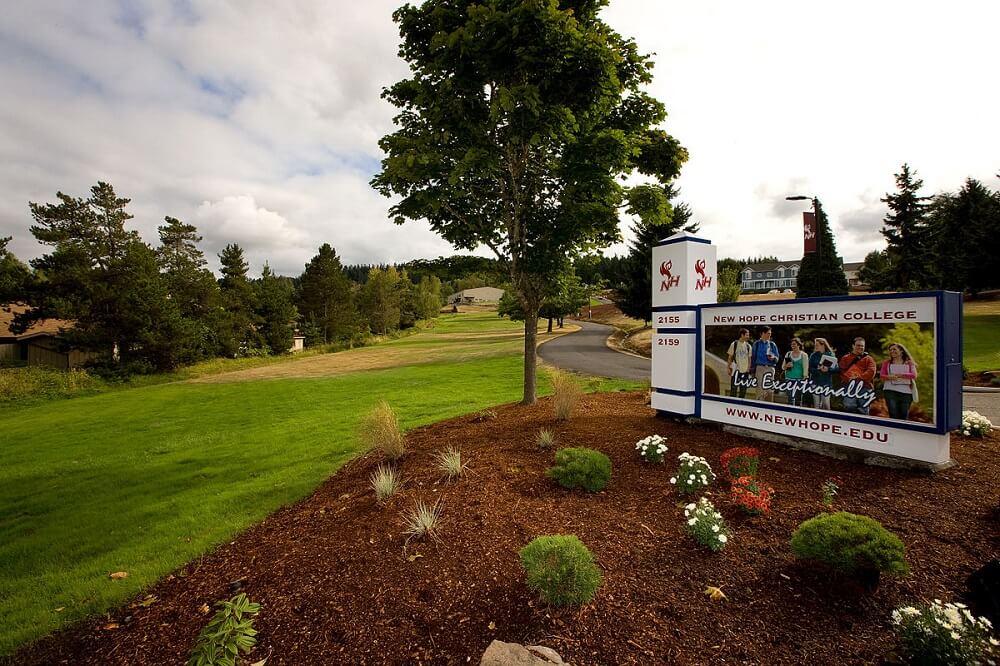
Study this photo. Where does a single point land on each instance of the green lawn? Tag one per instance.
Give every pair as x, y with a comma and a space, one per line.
982, 342
145, 479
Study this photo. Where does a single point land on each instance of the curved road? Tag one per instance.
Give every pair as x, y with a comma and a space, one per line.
586, 351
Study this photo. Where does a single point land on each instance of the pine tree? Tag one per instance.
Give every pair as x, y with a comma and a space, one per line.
14, 276
965, 230
634, 296
822, 271
326, 298
275, 311
905, 232
238, 321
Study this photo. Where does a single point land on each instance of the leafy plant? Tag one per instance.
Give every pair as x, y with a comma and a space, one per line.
423, 521
830, 488
545, 439
385, 482
450, 463
849, 543
693, 474
975, 424
380, 430
740, 461
229, 632
940, 633
566, 393
706, 525
652, 448
560, 569
751, 495
581, 468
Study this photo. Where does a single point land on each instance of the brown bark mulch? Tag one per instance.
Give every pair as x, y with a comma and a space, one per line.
339, 586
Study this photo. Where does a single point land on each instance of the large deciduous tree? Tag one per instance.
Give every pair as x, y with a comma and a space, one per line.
822, 271
515, 127
905, 233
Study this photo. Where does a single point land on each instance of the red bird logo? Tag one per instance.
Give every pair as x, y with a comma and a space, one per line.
699, 268
665, 268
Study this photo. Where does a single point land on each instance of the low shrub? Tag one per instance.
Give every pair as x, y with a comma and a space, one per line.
652, 448
740, 461
706, 525
380, 430
975, 424
693, 474
560, 569
450, 463
940, 633
385, 482
581, 468
750, 495
849, 544
423, 521
566, 393
229, 632
545, 439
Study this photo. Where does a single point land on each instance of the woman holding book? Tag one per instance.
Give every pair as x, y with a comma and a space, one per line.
796, 367
899, 381
822, 367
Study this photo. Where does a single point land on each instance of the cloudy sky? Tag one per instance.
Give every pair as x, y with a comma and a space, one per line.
259, 121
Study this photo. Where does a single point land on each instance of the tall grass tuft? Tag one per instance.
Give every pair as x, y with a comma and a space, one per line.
380, 430
423, 521
545, 439
566, 393
450, 463
385, 482
39, 383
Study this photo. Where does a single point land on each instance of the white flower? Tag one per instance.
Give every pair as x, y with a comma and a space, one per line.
690, 507
692, 521
723, 538
718, 516
673, 479
994, 642
691, 477
955, 636
896, 617
715, 528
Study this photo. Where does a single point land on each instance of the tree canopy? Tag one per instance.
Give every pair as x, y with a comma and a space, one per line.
514, 129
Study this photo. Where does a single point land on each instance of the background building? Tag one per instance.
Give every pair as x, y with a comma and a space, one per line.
767, 275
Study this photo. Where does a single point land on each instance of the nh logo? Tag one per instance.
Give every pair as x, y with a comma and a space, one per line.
668, 279
704, 280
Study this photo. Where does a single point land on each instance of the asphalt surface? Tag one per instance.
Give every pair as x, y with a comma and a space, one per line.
586, 351
987, 404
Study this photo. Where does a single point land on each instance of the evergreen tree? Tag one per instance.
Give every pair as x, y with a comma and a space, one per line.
325, 297
822, 272
407, 296
965, 235
191, 286
14, 276
275, 311
905, 232
634, 297
238, 321
379, 300
877, 272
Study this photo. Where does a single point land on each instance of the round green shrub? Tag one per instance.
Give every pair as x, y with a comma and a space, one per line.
581, 468
849, 543
560, 569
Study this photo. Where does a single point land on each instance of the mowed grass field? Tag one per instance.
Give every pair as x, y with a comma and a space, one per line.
146, 479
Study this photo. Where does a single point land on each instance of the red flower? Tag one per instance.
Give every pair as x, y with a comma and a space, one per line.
740, 461
751, 495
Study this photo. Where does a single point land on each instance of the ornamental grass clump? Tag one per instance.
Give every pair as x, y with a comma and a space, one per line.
229, 632
693, 474
706, 525
940, 633
449, 462
560, 569
545, 439
380, 430
750, 495
850, 544
423, 521
385, 482
581, 468
975, 424
652, 448
566, 393
739, 461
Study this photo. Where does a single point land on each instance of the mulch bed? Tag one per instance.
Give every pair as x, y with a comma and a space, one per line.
339, 587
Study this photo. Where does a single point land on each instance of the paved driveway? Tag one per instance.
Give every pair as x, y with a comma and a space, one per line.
987, 404
586, 351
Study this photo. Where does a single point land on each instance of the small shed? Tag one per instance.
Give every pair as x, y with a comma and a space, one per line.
476, 295
39, 345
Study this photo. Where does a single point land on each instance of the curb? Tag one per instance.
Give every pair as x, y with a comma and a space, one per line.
980, 389
607, 341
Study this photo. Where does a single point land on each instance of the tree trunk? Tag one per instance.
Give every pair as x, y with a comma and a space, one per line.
550, 325
530, 362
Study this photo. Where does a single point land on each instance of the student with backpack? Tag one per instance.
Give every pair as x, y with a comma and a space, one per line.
764, 358
738, 363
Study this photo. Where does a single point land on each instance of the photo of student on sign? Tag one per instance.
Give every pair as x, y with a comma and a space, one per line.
886, 372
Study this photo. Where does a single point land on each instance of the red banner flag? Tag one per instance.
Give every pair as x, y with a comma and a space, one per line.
809, 231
